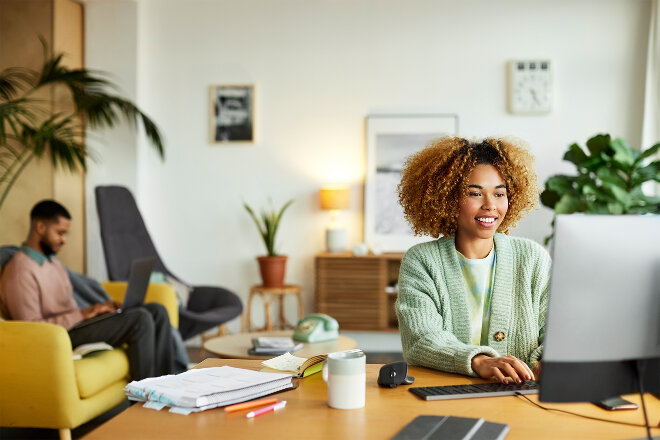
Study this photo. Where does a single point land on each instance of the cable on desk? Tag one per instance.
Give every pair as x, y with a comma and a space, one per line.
638, 425
640, 366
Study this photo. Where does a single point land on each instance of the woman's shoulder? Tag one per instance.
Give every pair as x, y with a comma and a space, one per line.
430, 247
428, 252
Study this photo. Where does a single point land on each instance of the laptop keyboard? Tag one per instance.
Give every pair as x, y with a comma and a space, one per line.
490, 389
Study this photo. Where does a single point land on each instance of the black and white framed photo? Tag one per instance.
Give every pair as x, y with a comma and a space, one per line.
390, 140
232, 113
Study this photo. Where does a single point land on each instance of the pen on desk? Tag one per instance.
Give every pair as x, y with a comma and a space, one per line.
269, 408
251, 404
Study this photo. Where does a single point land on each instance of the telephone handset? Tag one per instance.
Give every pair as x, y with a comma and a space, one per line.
316, 327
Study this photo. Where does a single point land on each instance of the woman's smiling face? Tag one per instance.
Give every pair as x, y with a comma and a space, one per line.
485, 206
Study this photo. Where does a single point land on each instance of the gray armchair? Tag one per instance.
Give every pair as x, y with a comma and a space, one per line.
125, 238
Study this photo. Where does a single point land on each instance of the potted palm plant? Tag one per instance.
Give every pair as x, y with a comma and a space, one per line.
271, 266
30, 128
609, 179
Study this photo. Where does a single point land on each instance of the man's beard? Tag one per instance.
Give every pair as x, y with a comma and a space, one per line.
45, 247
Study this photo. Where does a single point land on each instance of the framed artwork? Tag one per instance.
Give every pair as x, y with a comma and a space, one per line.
390, 140
232, 113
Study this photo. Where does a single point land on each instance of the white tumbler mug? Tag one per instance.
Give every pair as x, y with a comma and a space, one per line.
345, 374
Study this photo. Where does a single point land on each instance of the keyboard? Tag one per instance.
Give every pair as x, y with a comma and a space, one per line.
490, 389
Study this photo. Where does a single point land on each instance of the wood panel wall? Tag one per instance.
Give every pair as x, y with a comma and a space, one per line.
60, 24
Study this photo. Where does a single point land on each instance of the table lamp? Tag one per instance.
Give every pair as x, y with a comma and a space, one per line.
334, 199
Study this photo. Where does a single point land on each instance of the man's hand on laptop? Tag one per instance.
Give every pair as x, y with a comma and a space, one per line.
97, 309
116, 305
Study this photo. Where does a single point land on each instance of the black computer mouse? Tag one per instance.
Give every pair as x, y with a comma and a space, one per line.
394, 374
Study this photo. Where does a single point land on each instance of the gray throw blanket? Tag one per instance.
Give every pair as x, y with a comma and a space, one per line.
87, 291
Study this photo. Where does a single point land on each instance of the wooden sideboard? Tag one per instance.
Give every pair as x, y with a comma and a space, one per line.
358, 291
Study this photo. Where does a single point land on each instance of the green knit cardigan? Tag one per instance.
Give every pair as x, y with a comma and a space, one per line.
433, 309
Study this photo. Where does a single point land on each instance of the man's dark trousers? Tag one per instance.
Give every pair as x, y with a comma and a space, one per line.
147, 333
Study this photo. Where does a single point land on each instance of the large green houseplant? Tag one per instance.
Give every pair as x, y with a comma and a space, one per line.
609, 179
271, 266
30, 128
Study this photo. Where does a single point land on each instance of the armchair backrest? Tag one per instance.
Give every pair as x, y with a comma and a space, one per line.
123, 232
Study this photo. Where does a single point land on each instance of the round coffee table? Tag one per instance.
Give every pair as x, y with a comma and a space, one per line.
236, 346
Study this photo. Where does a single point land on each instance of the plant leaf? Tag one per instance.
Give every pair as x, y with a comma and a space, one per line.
575, 155
254, 218
560, 184
622, 196
597, 193
612, 176
615, 208
269, 224
648, 153
599, 208
599, 144
595, 162
645, 209
568, 204
104, 110
622, 152
549, 198
14, 79
625, 167
644, 174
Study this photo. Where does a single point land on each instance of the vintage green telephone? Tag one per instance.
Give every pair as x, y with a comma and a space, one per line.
316, 327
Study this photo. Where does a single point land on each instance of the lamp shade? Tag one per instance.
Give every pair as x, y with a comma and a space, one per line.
335, 197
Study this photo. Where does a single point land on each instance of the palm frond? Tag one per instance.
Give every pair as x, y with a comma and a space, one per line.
13, 80
62, 136
104, 110
30, 129
53, 72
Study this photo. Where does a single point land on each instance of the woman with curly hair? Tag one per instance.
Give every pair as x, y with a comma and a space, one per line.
474, 300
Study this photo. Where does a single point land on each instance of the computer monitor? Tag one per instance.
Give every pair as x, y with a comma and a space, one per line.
604, 308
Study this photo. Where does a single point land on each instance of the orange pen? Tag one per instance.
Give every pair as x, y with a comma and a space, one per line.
251, 404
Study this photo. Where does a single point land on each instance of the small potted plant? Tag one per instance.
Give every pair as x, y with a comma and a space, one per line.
271, 266
609, 179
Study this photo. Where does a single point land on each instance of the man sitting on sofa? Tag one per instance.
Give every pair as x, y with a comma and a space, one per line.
35, 286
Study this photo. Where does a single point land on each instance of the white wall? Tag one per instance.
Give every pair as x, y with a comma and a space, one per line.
110, 46
320, 67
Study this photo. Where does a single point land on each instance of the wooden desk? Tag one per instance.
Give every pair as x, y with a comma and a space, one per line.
386, 412
236, 346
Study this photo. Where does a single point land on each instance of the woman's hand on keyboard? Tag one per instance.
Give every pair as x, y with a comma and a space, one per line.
501, 368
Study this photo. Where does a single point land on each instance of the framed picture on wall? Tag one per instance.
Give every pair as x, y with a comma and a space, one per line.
232, 113
390, 140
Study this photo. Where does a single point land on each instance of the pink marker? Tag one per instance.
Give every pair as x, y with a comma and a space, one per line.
266, 409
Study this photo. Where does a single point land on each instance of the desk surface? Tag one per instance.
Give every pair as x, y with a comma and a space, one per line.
236, 346
386, 412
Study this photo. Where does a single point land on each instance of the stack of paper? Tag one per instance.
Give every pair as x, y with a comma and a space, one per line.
205, 388
273, 346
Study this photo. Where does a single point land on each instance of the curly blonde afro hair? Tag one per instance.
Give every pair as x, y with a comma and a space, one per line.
434, 181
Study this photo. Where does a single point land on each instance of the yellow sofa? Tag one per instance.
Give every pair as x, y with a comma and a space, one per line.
42, 387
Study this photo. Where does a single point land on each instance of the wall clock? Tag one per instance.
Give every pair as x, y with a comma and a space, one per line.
530, 87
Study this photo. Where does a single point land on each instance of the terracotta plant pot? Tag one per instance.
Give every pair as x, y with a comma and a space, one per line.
272, 270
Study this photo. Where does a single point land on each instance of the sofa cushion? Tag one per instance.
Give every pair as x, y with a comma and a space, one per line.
99, 370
